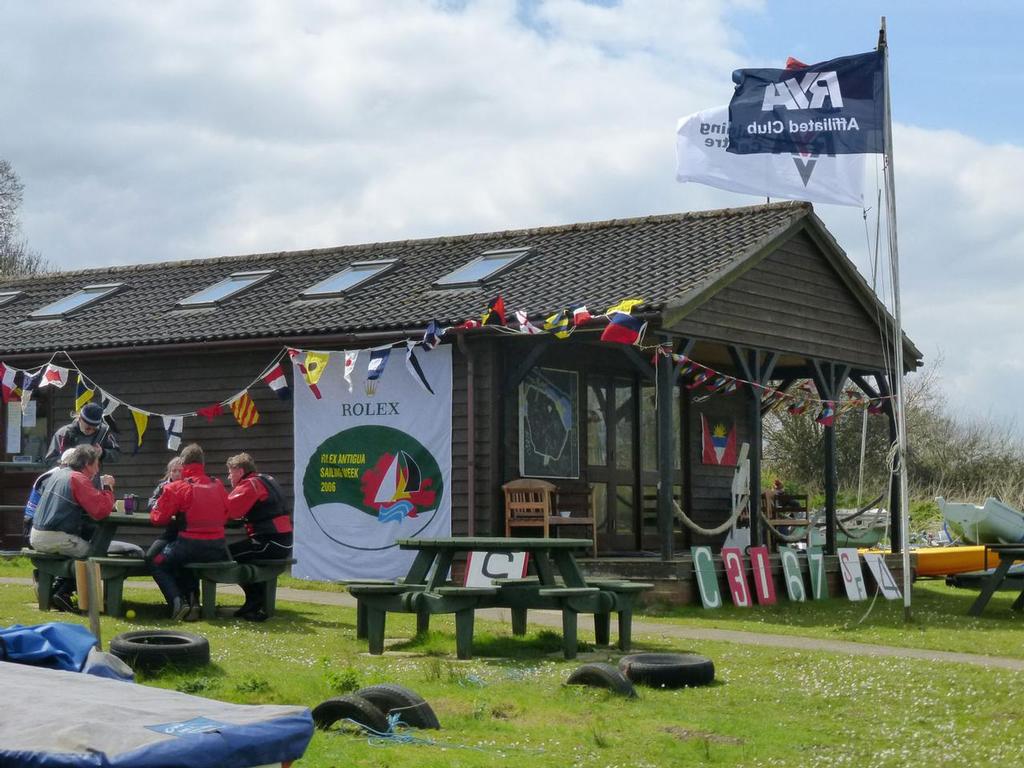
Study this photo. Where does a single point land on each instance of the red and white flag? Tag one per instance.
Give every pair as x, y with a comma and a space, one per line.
54, 376
350, 366
276, 380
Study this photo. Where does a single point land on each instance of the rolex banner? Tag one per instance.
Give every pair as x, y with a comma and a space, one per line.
372, 465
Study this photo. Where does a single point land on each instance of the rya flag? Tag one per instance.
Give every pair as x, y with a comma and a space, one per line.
701, 143
294, 355
375, 368
832, 108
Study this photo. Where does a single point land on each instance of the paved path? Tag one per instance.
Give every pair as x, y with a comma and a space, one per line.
665, 630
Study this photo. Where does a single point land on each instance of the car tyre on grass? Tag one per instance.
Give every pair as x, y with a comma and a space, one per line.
149, 649
353, 707
601, 675
412, 708
668, 670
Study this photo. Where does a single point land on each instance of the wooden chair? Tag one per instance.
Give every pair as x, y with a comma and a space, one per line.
532, 503
529, 503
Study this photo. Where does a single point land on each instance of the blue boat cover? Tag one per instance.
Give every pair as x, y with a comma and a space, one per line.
58, 645
66, 720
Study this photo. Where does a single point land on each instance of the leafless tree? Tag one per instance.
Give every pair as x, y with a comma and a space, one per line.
16, 258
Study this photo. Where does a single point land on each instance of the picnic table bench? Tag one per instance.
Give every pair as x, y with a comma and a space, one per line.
424, 591
1008, 554
263, 572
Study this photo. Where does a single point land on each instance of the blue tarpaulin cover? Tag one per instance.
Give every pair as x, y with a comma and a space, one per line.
69, 720
58, 645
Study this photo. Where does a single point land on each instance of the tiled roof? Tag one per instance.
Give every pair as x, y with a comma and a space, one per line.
658, 258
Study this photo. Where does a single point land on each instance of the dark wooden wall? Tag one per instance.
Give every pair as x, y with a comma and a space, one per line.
711, 491
793, 301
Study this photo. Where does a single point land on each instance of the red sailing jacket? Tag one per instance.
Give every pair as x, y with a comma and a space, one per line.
203, 500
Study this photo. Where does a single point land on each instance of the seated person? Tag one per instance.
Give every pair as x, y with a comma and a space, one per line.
68, 499
37, 491
204, 504
781, 502
171, 531
258, 500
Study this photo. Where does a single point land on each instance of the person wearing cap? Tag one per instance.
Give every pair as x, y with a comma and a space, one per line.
88, 428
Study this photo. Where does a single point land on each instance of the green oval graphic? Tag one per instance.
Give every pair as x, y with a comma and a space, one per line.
381, 471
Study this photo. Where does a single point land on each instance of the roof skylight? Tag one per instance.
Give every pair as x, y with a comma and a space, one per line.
6, 297
484, 267
352, 276
226, 288
77, 300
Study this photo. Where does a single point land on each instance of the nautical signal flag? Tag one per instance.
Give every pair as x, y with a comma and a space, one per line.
294, 355
626, 305
245, 411
876, 405
173, 426
29, 382
10, 383
54, 376
495, 312
211, 412
108, 402
719, 442
275, 379
414, 367
350, 366
580, 315
375, 368
525, 326
431, 337
141, 419
83, 393
623, 328
558, 324
827, 416
316, 364
797, 407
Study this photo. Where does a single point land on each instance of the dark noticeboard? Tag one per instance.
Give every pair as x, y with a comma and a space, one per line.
549, 435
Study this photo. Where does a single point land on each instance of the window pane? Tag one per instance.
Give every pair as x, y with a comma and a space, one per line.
624, 522
623, 425
346, 279
597, 427
599, 504
483, 267
85, 296
225, 288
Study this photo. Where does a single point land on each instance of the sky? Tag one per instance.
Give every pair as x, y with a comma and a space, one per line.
175, 130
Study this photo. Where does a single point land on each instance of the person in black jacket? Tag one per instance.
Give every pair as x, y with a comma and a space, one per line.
88, 428
259, 501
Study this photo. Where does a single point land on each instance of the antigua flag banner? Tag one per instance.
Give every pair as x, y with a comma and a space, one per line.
719, 443
702, 140
832, 108
372, 469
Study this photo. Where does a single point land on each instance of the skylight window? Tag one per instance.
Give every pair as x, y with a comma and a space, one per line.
484, 267
82, 298
6, 297
355, 275
226, 288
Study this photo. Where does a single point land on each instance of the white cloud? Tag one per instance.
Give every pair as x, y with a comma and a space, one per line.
149, 132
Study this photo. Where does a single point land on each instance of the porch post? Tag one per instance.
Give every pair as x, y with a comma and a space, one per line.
896, 534
828, 380
666, 445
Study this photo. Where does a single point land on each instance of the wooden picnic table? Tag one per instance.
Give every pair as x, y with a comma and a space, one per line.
424, 591
1008, 555
107, 527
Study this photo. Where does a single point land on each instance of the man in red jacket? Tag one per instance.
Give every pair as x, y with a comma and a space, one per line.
204, 504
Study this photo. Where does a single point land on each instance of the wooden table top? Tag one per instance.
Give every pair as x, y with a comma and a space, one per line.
494, 543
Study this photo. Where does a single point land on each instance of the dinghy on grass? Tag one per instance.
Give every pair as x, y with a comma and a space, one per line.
992, 523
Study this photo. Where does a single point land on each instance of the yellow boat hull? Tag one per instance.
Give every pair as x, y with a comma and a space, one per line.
943, 561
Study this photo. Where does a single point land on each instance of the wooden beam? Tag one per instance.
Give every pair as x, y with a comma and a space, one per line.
666, 445
639, 362
517, 374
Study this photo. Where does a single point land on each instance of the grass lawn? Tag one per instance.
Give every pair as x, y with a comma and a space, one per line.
769, 706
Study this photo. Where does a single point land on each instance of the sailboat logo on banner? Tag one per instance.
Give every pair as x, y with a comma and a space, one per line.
395, 487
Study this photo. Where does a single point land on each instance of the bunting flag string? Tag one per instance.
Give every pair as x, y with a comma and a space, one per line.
622, 327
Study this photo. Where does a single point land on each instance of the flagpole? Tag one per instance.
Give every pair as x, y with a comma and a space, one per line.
898, 402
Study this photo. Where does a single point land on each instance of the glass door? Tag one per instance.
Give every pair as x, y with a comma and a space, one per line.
613, 462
